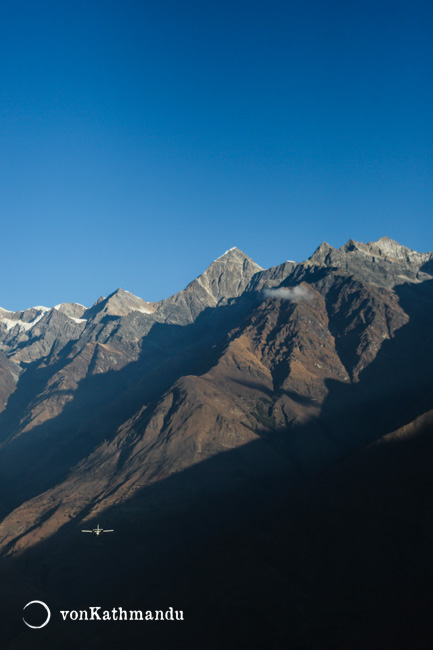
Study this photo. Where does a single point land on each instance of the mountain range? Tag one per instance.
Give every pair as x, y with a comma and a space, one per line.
259, 442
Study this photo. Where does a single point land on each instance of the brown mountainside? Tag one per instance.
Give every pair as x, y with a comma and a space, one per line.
277, 366
245, 386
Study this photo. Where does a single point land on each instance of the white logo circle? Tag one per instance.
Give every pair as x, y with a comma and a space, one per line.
39, 602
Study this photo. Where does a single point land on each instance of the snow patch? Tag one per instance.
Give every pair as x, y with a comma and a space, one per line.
143, 309
57, 307
10, 324
229, 250
133, 295
25, 327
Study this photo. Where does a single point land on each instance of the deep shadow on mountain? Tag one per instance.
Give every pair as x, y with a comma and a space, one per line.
37, 461
352, 414
341, 562
254, 561
397, 386
393, 389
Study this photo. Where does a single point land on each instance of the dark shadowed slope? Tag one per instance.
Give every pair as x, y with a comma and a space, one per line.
214, 438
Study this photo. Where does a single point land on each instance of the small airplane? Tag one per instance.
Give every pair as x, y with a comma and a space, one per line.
97, 531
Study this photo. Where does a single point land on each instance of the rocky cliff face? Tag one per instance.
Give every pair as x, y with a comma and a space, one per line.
236, 356
246, 380
384, 262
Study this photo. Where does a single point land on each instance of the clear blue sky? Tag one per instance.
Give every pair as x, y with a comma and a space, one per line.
141, 139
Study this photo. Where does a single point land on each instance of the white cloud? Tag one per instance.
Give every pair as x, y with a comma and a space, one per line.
295, 294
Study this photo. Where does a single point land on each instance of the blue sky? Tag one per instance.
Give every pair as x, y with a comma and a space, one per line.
139, 140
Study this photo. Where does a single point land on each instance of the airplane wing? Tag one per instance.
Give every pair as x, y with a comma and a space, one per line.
87, 531
108, 531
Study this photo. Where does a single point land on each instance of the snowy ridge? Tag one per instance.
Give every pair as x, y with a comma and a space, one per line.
229, 250
10, 324
73, 303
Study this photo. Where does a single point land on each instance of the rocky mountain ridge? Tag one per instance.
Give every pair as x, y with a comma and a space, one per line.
247, 383
267, 361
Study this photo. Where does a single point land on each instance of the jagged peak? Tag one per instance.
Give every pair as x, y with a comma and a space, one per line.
324, 246
232, 253
71, 309
63, 304
116, 295
122, 292
383, 247
388, 245
120, 303
233, 248
127, 297
385, 238
384, 243
321, 251
226, 277
233, 257
24, 320
99, 300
